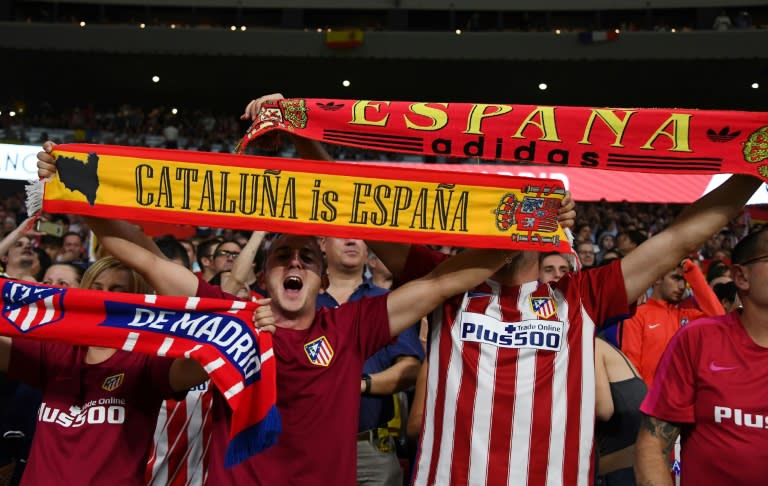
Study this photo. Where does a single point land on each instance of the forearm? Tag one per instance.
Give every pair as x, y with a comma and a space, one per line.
109, 231
135, 250
462, 272
416, 417
693, 227
243, 263
13, 236
652, 450
703, 218
310, 149
392, 255
398, 377
186, 373
705, 296
651, 466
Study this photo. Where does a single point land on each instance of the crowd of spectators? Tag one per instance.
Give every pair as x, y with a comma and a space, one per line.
399, 19
163, 127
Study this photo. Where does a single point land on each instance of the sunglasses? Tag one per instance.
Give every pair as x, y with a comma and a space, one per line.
754, 260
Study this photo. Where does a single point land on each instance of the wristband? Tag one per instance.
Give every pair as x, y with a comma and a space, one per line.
367, 379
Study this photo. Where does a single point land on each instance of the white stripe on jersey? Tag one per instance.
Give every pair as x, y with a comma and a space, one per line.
520, 448
587, 419
483, 410
427, 439
559, 401
452, 384
195, 422
160, 467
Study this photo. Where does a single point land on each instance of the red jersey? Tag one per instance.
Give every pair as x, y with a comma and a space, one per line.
182, 438
318, 397
96, 421
712, 381
645, 335
511, 391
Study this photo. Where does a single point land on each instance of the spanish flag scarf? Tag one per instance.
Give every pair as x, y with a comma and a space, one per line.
218, 334
679, 141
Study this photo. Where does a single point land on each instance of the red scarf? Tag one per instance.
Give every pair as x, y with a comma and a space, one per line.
636, 139
219, 334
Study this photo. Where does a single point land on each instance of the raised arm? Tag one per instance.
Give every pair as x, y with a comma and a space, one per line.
130, 245
692, 228
407, 304
654, 444
7, 243
705, 296
122, 240
243, 264
395, 255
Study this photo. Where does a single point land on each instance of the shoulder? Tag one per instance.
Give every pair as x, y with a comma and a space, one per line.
207, 290
710, 324
705, 332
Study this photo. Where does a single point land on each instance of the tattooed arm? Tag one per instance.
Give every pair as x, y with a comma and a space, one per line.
654, 444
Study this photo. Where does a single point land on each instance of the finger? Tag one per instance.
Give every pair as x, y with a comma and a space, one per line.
263, 301
48, 146
566, 215
247, 114
269, 329
45, 156
567, 203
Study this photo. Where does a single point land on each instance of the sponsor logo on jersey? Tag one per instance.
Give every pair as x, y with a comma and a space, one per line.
716, 367
740, 418
109, 410
544, 307
531, 334
319, 351
112, 383
28, 307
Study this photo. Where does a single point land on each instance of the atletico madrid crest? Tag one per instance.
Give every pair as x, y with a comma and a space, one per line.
544, 307
319, 351
28, 307
112, 383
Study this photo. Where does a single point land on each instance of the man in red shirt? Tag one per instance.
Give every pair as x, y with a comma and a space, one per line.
510, 389
711, 388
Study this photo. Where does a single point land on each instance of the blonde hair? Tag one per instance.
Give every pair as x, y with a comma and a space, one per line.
138, 284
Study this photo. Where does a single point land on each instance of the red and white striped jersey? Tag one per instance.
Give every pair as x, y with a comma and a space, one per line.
182, 439
510, 391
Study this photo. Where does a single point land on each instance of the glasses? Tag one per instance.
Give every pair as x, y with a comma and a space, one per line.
760, 258
228, 254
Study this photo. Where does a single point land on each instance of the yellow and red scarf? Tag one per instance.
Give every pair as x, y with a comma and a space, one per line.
303, 197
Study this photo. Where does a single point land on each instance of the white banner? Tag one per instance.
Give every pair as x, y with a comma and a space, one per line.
18, 162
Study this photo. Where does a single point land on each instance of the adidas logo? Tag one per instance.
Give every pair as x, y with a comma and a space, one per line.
722, 136
330, 106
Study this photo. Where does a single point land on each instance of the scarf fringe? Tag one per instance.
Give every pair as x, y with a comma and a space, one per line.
254, 439
34, 202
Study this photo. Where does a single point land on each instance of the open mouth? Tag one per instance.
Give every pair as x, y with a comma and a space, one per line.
293, 283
